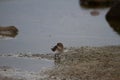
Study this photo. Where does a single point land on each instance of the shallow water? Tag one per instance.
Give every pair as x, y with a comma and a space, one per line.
26, 64
43, 23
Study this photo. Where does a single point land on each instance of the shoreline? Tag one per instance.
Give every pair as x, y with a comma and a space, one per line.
81, 63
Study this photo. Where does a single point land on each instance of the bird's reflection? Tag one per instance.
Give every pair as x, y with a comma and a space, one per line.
57, 59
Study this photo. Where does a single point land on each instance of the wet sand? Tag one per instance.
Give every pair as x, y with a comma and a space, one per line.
87, 63
84, 63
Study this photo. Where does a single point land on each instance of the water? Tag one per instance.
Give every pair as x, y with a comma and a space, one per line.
26, 64
43, 23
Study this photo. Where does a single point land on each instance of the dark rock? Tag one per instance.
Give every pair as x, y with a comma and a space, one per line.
96, 3
115, 26
113, 17
114, 13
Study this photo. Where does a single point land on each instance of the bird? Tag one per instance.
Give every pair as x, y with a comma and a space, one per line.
58, 48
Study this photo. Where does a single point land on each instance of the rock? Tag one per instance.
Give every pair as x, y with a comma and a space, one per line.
114, 13
94, 13
8, 31
113, 17
96, 3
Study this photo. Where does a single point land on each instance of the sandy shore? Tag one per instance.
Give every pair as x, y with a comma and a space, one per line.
84, 63
87, 63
